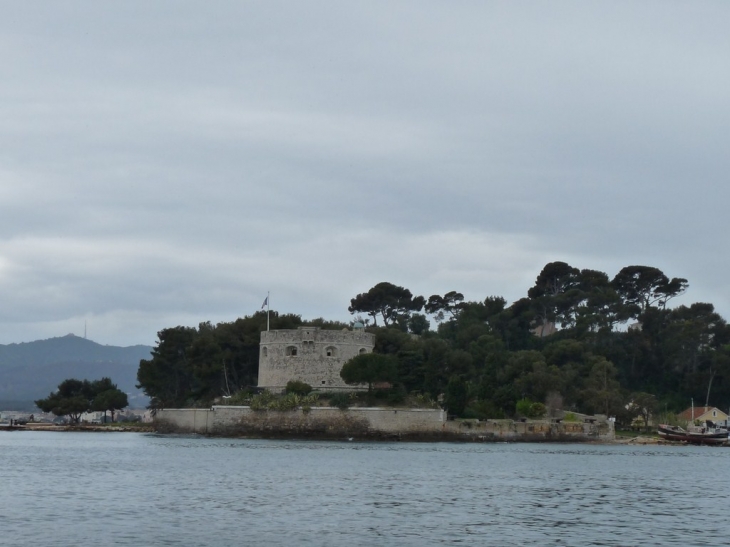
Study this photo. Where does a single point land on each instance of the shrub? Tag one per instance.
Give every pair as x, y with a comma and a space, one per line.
300, 388
395, 397
241, 397
261, 401
290, 401
423, 400
483, 410
537, 410
456, 396
528, 409
523, 407
340, 400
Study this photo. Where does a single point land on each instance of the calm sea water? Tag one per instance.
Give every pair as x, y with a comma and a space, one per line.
136, 489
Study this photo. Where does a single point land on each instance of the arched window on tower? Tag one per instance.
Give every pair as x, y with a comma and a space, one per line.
363, 350
330, 351
291, 351
265, 351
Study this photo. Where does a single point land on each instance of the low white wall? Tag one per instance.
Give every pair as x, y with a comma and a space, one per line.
333, 422
186, 420
222, 419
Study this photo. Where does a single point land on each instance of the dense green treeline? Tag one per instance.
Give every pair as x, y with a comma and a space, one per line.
578, 341
192, 366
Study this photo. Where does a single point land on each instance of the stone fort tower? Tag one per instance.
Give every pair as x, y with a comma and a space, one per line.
310, 355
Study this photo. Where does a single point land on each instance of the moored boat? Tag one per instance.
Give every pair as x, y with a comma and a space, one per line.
694, 435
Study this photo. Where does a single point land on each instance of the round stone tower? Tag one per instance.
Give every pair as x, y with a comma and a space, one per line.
310, 355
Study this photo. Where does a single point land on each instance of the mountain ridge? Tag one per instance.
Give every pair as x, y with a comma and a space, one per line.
32, 370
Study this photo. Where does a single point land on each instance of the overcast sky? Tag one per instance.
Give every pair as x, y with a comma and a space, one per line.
167, 163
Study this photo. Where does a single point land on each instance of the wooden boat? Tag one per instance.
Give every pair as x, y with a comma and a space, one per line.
694, 435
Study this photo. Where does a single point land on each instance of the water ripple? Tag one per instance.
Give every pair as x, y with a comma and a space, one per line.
135, 489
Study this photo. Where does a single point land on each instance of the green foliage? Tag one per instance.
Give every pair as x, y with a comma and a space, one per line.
444, 307
523, 407
483, 410
642, 286
300, 388
457, 395
486, 356
390, 302
73, 407
289, 401
241, 397
390, 340
529, 409
537, 410
369, 368
642, 405
418, 324
340, 400
423, 400
570, 417
29, 370
555, 295
74, 397
109, 400
670, 418
192, 366
324, 324
262, 400
393, 396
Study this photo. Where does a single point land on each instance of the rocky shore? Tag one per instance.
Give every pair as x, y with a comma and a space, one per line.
646, 440
111, 428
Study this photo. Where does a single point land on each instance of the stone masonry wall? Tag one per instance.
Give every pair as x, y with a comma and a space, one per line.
310, 355
531, 430
324, 422
185, 420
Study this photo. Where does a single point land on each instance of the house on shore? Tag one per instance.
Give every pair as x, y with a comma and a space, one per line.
702, 413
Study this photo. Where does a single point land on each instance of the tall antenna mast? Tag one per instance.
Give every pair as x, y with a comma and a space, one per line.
84, 329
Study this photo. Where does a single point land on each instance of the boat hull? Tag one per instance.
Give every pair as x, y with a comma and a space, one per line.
674, 433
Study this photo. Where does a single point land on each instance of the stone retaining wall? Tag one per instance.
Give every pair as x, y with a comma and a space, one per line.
310, 355
510, 430
185, 420
328, 422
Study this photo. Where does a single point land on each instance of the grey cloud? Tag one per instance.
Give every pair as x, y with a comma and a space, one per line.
171, 162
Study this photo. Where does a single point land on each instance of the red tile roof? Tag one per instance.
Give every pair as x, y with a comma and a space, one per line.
698, 411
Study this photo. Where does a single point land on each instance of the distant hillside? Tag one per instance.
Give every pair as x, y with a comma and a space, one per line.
32, 370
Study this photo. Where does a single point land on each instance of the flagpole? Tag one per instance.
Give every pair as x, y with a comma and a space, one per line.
268, 307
